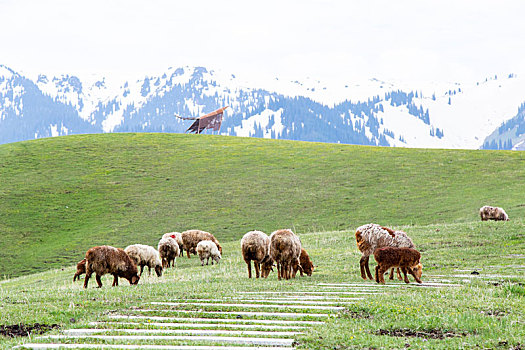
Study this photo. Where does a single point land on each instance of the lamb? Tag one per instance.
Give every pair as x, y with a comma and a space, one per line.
493, 213
145, 255
81, 269
106, 259
206, 250
191, 238
177, 237
255, 245
168, 251
305, 263
285, 250
371, 237
404, 258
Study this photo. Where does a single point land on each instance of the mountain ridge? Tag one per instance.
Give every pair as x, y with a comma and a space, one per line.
462, 116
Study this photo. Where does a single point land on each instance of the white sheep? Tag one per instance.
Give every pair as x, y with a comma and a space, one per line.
371, 237
493, 213
168, 251
145, 255
207, 250
177, 236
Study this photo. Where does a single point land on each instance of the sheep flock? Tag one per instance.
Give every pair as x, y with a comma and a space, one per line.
282, 250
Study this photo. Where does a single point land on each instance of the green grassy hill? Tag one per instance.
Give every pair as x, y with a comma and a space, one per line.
60, 196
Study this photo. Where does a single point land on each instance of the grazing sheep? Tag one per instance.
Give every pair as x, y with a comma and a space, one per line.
145, 255
81, 269
178, 238
285, 250
207, 250
306, 264
372, 236
403, 258
493, 213
106, 259
255, 245
168, 251
191, 238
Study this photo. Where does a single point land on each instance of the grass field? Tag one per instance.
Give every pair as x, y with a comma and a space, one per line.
61, 196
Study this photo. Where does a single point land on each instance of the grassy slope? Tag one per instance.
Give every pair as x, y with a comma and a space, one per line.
61, 196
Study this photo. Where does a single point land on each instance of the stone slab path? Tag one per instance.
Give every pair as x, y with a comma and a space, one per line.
198, 324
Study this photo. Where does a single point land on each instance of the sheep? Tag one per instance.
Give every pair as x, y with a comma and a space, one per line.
493, 213
106, 259
191, 238
372, 236
255, 245
404, 258
306, 264
206, 250
168, 251
285, 250
178, 238
81, 269
145, 255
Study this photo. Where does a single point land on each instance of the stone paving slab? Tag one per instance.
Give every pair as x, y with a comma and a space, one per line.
240, 313
220, 321
314, 293
199, 325
378, 286
36, 346
250, 306
217, 339
302, 302
89, 331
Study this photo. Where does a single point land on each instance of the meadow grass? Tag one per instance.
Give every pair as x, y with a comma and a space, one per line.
61, 196
485, 312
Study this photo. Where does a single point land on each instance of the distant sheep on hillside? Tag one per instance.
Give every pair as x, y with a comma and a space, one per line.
255, 245
493, 213
145, 255
106, 259
371, 237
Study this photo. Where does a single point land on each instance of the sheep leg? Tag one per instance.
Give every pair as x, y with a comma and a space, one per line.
249, 263
279, 271
405, 274
391, 277
377, 274
208, 260
86, 279
115, 281
364, 267
257, 268
99, 282
399, 275
202, 262
77, 275
141, 269
380, 271
188, 253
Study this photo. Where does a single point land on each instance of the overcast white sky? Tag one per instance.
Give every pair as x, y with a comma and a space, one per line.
388, 39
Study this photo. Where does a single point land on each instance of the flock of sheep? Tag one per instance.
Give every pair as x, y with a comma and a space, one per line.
282, 249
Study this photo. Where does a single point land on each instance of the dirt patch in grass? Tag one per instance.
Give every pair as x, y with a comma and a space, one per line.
23, 330
356, 314
426, 333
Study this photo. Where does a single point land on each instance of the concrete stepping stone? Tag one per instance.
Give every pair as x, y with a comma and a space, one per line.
294, 301
89, 331
240, 313
216, 339
220, 321
199, 325
280, 306
314, 293
42, 346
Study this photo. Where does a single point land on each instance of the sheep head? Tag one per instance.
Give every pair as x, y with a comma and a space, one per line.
418, 270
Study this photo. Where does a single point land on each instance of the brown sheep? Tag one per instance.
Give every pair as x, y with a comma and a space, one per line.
403, 258
81, 269
371, 237
168, 251
191, 238
255, 245
106, 259
493, 213
306, 264
285, 250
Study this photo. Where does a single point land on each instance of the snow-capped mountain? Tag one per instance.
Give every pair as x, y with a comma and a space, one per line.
368, 113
